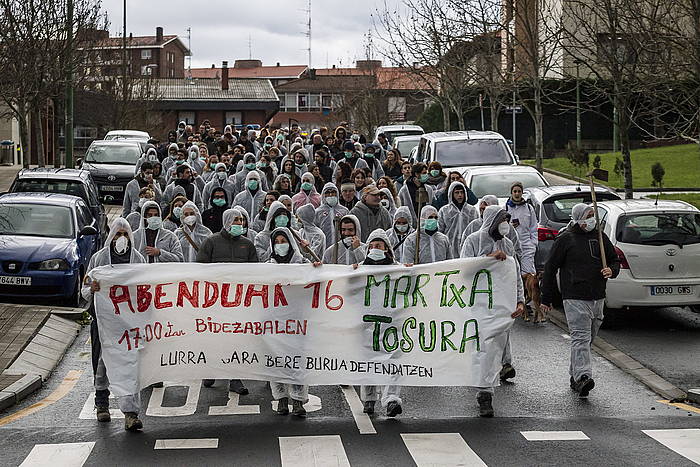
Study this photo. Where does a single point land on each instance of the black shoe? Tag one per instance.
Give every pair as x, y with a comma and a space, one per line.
393, 409
583, 386
237, 386
208, 383
103, 414
283, 406
298, 409
507, 372
485, 407
132, 422
369, 407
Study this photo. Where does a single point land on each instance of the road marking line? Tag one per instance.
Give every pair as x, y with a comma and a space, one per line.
566, 336
64, 455
554, 435
440, 449
685, 442
233, 408
306, 451
88, 410
64, 388
201, 443
155, 403
681, 405
362, 420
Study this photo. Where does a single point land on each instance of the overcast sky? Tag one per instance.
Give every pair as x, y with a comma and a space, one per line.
221, 28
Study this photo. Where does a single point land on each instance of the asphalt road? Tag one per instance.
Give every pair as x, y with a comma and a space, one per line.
439, 426
665, 340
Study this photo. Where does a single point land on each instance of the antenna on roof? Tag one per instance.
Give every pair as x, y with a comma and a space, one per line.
250, 47
189, 57
307, 33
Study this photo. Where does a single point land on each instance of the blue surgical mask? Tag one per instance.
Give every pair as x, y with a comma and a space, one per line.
332, 201
236, 230
177, 211
430, 224
250, 166
306, 186
253, 184
348, 154
281, 221
423, 178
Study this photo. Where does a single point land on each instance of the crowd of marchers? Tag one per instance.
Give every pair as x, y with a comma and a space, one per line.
332, 197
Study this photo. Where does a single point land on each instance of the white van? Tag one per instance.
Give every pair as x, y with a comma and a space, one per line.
459, 150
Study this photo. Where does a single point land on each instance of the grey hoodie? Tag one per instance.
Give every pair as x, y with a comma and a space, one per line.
452, 220
251, 202
433, 248
347, 254
166, 241
325, 214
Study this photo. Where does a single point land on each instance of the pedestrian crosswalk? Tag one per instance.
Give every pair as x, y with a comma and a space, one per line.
424, 449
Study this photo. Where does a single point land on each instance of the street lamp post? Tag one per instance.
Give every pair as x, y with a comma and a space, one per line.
68, 125
578, 107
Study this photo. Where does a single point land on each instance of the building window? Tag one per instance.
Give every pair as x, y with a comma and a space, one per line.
397, 108
283, 101
337, 101
303, 101
291, 101
186, 116
327, 101
146, 54
234, 118
314, 102
171, 73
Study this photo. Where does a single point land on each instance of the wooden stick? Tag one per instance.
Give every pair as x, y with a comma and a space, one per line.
599, 227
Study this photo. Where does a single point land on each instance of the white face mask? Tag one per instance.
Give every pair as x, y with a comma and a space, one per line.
403, 228
376, 254
503, 228
332, 201
154, 223
190, 220
121, 245
221, 175
588, 224
282, 249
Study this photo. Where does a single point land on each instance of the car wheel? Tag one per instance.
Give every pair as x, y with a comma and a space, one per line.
614, 318
75, 298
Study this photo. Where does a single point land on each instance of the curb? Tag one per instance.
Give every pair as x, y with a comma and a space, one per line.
626, 363
19, 390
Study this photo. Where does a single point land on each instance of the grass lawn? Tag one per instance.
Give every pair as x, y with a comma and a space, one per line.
692, 198
682, 165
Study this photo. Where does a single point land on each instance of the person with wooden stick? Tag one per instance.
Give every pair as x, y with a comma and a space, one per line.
585, 259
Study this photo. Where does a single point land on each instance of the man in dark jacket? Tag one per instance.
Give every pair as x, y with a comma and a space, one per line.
229, 245
371, 214
576, 256
212, 218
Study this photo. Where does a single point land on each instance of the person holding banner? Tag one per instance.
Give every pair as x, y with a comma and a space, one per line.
433, 246
380, 252
576, 256
155, 243
191, 232
349, 249
277, 216
228, 246
285, 250
491, 240
119, 249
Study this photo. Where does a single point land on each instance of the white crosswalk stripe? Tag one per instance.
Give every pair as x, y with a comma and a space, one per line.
197, 443
64, 455
554, 435
313, 451
440, 450
362, 420
685, 442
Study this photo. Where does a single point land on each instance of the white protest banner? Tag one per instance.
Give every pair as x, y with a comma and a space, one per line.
440, 324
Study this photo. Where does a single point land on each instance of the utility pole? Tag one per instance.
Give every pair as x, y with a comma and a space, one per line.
514, 147
123, 112
250, 47
189, 57
578, 107
68, 126
309, 33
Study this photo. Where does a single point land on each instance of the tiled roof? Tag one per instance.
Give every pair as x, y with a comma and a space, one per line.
390, 78
139, 42
209, 89
271, 72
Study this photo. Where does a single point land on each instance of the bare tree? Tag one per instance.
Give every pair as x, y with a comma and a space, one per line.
34, 58
420, 36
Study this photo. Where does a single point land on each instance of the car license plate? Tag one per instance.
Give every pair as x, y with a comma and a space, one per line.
15, 280
112, 188
671, 289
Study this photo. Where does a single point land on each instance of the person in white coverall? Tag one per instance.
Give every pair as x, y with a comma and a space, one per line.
118, 249
329, 212
434, 246
524, 220
191, 232
456, 215
155, 243
489, 240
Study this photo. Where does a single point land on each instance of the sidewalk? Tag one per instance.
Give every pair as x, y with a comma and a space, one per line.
7, 175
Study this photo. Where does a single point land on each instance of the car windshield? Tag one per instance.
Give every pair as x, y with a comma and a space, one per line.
458, 153
126, 154
498, 184
67, 187
37, 220
405, 147
123, 137
659, 228
390, 135
558, 208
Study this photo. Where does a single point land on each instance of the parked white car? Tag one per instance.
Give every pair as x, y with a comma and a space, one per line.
392, 131
497, 179
659, 250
